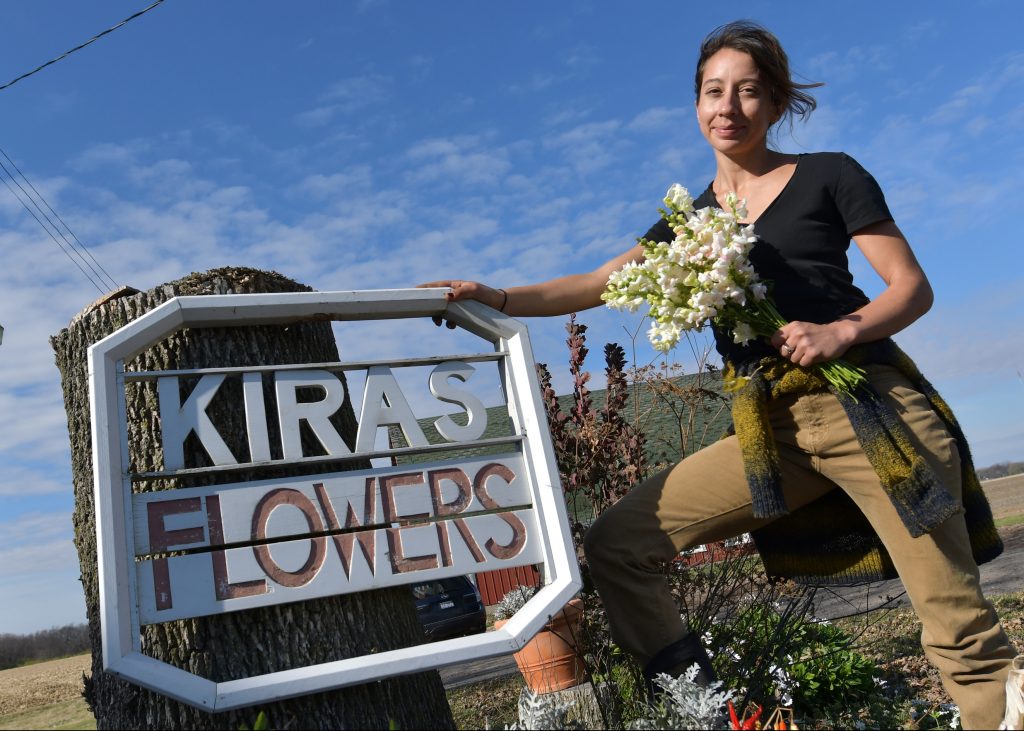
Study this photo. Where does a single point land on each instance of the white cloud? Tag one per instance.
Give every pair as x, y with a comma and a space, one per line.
457, 161
346, 97
843, 67
657, 119
982, 92
589, 147
37, 558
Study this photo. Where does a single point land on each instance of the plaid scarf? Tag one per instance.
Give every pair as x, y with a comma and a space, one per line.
830, 541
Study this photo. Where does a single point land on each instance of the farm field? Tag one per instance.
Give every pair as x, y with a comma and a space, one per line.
46, 695
1005, 495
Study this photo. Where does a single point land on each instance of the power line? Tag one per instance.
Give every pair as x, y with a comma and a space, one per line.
81, 46
81, 248
61, 246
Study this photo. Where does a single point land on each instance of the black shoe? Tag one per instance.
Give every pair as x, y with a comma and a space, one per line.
676, 659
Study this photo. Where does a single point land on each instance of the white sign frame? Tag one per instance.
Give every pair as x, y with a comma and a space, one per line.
120, 627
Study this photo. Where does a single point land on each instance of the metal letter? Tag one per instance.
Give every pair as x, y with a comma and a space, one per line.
178, 419
316, 414
442, 389
382, 386
256, 417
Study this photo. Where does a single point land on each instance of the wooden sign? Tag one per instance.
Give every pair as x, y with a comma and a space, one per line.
197, 551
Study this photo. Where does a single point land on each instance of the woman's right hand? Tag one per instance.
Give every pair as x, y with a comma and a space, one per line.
467, 290
462, 289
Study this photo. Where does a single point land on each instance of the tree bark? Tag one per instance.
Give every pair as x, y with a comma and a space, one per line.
245, 643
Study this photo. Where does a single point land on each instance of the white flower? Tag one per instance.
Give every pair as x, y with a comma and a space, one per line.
743, 333
679, 199
702, 276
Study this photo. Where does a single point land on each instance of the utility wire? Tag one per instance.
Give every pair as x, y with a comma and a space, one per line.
81, 46
102, 273
59, 244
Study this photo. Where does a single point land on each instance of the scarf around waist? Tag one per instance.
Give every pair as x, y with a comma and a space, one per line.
916, 492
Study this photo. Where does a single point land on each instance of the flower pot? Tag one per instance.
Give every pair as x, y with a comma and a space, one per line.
550, 661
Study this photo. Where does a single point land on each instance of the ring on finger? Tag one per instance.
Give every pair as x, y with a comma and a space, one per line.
787, 349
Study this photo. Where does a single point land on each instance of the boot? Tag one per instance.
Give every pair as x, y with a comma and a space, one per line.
676, 659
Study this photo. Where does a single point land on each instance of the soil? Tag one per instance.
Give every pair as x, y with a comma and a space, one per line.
42, 683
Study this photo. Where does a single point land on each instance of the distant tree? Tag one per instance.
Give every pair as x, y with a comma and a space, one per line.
46, 644
1002, 469
247, 643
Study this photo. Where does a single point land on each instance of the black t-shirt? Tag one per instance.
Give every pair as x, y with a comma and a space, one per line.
802, 240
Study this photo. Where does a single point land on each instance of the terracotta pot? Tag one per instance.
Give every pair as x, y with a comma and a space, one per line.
551, 661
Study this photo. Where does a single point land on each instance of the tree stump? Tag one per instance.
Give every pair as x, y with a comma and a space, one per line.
244, 643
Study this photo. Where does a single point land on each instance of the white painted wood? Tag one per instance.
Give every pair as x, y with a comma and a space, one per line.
112, 558
356, 671
438, 449
127, 537
561, 568
353, 365
166, 679
193, 590
266, 309
341, 490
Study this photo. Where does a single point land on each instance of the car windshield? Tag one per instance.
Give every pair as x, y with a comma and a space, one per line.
442, 586
430, 588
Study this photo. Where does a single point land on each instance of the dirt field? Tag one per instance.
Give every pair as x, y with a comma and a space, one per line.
1006, 495
45, 695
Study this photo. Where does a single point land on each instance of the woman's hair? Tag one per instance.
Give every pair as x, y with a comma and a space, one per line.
766, 51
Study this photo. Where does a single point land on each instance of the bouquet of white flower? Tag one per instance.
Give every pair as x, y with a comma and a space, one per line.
704, 276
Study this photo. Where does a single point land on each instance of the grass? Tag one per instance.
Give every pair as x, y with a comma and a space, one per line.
490, 704
67, 714
1009, 520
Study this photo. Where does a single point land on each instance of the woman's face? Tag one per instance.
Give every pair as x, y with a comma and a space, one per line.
734, 109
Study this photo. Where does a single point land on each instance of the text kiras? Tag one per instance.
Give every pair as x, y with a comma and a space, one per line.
383, 404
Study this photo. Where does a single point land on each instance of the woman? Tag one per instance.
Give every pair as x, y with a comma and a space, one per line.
888, 470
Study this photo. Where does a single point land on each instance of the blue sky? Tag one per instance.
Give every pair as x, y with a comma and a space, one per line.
380, 144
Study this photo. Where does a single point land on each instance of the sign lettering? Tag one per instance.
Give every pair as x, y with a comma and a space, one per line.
258, 542
383, 404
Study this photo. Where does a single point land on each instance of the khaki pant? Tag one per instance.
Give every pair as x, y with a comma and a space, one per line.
705, 498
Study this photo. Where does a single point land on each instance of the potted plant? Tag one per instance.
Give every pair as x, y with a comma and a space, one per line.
550, 661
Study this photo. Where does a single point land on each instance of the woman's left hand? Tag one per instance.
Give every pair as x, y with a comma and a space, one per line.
806, 343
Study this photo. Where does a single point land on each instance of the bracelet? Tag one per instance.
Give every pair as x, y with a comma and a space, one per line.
504, 301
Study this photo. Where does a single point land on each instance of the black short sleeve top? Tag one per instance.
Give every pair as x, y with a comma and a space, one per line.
802, 242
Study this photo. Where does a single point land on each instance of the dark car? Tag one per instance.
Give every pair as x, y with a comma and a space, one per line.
449, 607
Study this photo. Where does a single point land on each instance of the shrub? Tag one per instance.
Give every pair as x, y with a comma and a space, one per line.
513, 601
811, 664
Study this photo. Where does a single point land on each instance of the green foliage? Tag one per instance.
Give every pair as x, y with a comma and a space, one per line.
262, 723
810, 664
